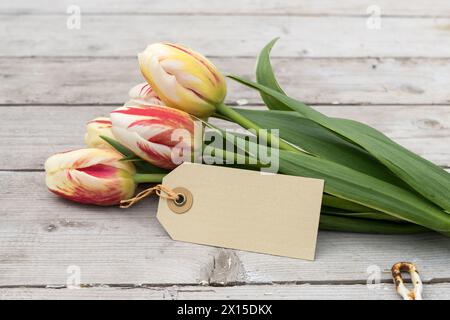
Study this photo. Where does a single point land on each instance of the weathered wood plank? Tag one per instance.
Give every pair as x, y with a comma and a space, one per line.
259, 292
30, 134
107, 244
317, 81
233, 7
42, 235
117, 35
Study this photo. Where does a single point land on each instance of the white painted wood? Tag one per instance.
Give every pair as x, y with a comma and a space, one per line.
116, 35
317, 81
29, 135
233, 7
259, 292
323, 58
42, 235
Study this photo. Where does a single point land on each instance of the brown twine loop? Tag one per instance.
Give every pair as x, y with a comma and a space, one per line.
160, 190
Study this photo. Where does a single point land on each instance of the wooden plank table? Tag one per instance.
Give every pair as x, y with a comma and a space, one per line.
54, 79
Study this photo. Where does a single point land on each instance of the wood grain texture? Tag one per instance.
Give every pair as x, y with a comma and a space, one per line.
30, 134
249, 292
231, 7
54, 79
42, 235
117, 35
316, 81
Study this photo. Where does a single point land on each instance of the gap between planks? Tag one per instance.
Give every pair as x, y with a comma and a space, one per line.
262, 292
219, 14
231, 104
210, 56
215, 284
403, 8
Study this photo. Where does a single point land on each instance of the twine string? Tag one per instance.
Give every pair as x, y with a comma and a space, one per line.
160, 190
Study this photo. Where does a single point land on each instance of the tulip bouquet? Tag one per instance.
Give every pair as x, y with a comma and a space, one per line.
372, 184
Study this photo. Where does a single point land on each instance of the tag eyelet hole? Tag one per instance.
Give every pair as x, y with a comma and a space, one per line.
180, 200
183, 201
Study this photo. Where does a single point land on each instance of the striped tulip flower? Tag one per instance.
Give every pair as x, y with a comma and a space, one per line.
92, 176
151, 133
142, 95
95, 128
183, 79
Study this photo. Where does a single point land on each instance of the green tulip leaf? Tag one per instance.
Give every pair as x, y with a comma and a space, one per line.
423, 176
336, 223
344, 182
374, 215
266, 77
320, 141
426, 178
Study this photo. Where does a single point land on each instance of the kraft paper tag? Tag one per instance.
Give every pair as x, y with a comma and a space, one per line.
242, 209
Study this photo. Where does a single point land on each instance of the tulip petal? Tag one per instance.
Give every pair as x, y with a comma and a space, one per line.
148, 131
155, 153
143, 94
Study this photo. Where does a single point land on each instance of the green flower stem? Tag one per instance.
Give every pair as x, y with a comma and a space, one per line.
148, 177
247, 124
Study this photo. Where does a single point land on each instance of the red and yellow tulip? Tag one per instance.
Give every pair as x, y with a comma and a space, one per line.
183, 79
150, 132
92, 176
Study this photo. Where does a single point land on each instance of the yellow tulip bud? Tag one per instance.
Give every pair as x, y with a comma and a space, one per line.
95, 128
183, 79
